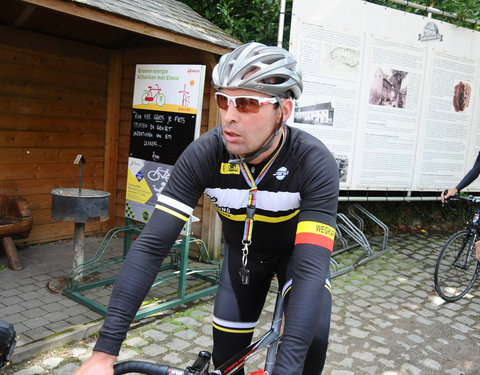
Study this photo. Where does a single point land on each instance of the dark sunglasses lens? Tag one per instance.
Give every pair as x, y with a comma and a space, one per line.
222, 101
247, 105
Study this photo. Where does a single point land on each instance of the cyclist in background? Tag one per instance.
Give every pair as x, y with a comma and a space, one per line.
276, 190
467, 180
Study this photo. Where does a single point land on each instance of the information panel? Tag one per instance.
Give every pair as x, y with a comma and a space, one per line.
394, 96
166, 113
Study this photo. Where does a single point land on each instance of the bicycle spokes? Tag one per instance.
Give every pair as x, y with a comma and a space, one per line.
457, 268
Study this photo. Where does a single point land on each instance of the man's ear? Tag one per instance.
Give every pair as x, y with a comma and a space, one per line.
287, 106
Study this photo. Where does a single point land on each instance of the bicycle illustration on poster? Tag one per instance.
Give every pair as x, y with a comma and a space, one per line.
166, 113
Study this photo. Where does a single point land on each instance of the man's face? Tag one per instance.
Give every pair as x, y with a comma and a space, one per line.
247, 132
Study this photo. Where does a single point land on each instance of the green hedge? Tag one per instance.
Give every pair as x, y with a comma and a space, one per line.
414, 216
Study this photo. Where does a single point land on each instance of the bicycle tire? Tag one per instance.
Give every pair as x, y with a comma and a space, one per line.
161, 99
147, 368
456, 269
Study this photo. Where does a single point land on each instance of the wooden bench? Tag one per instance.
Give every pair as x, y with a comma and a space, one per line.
15, 223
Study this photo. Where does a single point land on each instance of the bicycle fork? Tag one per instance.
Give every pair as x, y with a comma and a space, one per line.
469, 246
276, 328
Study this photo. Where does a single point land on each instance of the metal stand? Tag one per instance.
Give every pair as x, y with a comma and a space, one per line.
352, 245
178, 268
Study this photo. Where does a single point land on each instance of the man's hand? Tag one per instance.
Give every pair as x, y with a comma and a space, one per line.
477, 250
98, 364
447, 194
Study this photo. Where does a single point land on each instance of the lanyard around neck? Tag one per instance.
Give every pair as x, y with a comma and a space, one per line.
252, 195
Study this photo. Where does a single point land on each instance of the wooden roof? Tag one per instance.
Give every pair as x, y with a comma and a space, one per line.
117, 23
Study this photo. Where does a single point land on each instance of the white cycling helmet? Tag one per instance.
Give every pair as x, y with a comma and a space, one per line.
276, 72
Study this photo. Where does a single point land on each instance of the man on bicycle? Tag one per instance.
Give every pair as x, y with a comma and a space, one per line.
275, 188
466, 180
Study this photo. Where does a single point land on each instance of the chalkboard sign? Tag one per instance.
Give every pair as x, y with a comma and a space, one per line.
160, 136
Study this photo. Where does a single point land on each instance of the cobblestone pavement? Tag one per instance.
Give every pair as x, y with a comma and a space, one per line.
386, 320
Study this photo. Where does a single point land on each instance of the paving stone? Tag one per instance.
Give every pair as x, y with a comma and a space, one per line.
31, 371
50, 363
188, 321
136, 342
127, 354
390, 314
79, 352
186, 334
410, 369
154, 350
167, 327
358, 333
364, 356
155, 335
416, 339
432, 364
178, 344
67, 369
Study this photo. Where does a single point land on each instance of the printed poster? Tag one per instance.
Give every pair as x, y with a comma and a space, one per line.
395, 96
166, 114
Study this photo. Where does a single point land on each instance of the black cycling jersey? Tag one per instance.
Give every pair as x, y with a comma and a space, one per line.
471, 175
295, 203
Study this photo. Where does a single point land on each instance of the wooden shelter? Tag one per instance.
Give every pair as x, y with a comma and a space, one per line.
66, 85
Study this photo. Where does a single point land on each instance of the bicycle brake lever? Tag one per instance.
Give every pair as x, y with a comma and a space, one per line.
445, 200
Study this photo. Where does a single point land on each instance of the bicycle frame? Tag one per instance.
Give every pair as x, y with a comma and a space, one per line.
474, 228
150, 95
468, 248
269, 340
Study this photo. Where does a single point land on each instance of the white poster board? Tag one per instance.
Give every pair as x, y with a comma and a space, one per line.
394, 96
166, 114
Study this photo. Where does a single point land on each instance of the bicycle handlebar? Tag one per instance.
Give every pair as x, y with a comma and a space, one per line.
147, 368
468, 198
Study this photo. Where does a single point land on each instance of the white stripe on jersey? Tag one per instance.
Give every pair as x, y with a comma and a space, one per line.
266, 200
231, 324
175, 204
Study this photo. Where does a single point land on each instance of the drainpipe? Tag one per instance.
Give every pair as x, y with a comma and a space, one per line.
281, 22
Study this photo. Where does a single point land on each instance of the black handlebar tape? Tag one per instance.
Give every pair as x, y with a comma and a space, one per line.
143, 367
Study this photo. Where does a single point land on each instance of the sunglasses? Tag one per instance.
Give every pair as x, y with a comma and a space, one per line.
244, 104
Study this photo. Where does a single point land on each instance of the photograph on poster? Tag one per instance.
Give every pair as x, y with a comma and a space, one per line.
315, 114
388, 88
342, 161
461, 96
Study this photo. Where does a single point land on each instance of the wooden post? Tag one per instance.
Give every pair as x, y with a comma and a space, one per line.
211, 223
112, 130
14, 261
78, 247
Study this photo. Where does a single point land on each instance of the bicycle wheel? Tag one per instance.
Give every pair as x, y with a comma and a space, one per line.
161, 99
457, 268
147, 368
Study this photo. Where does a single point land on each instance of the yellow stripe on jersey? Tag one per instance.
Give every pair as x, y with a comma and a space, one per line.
257, 217
171, 212
315, 233
327, 286
230, 330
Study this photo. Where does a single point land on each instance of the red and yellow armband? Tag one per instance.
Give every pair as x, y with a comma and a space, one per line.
314, 233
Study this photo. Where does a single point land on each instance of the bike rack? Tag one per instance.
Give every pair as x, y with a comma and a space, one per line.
178, 268
351, 240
